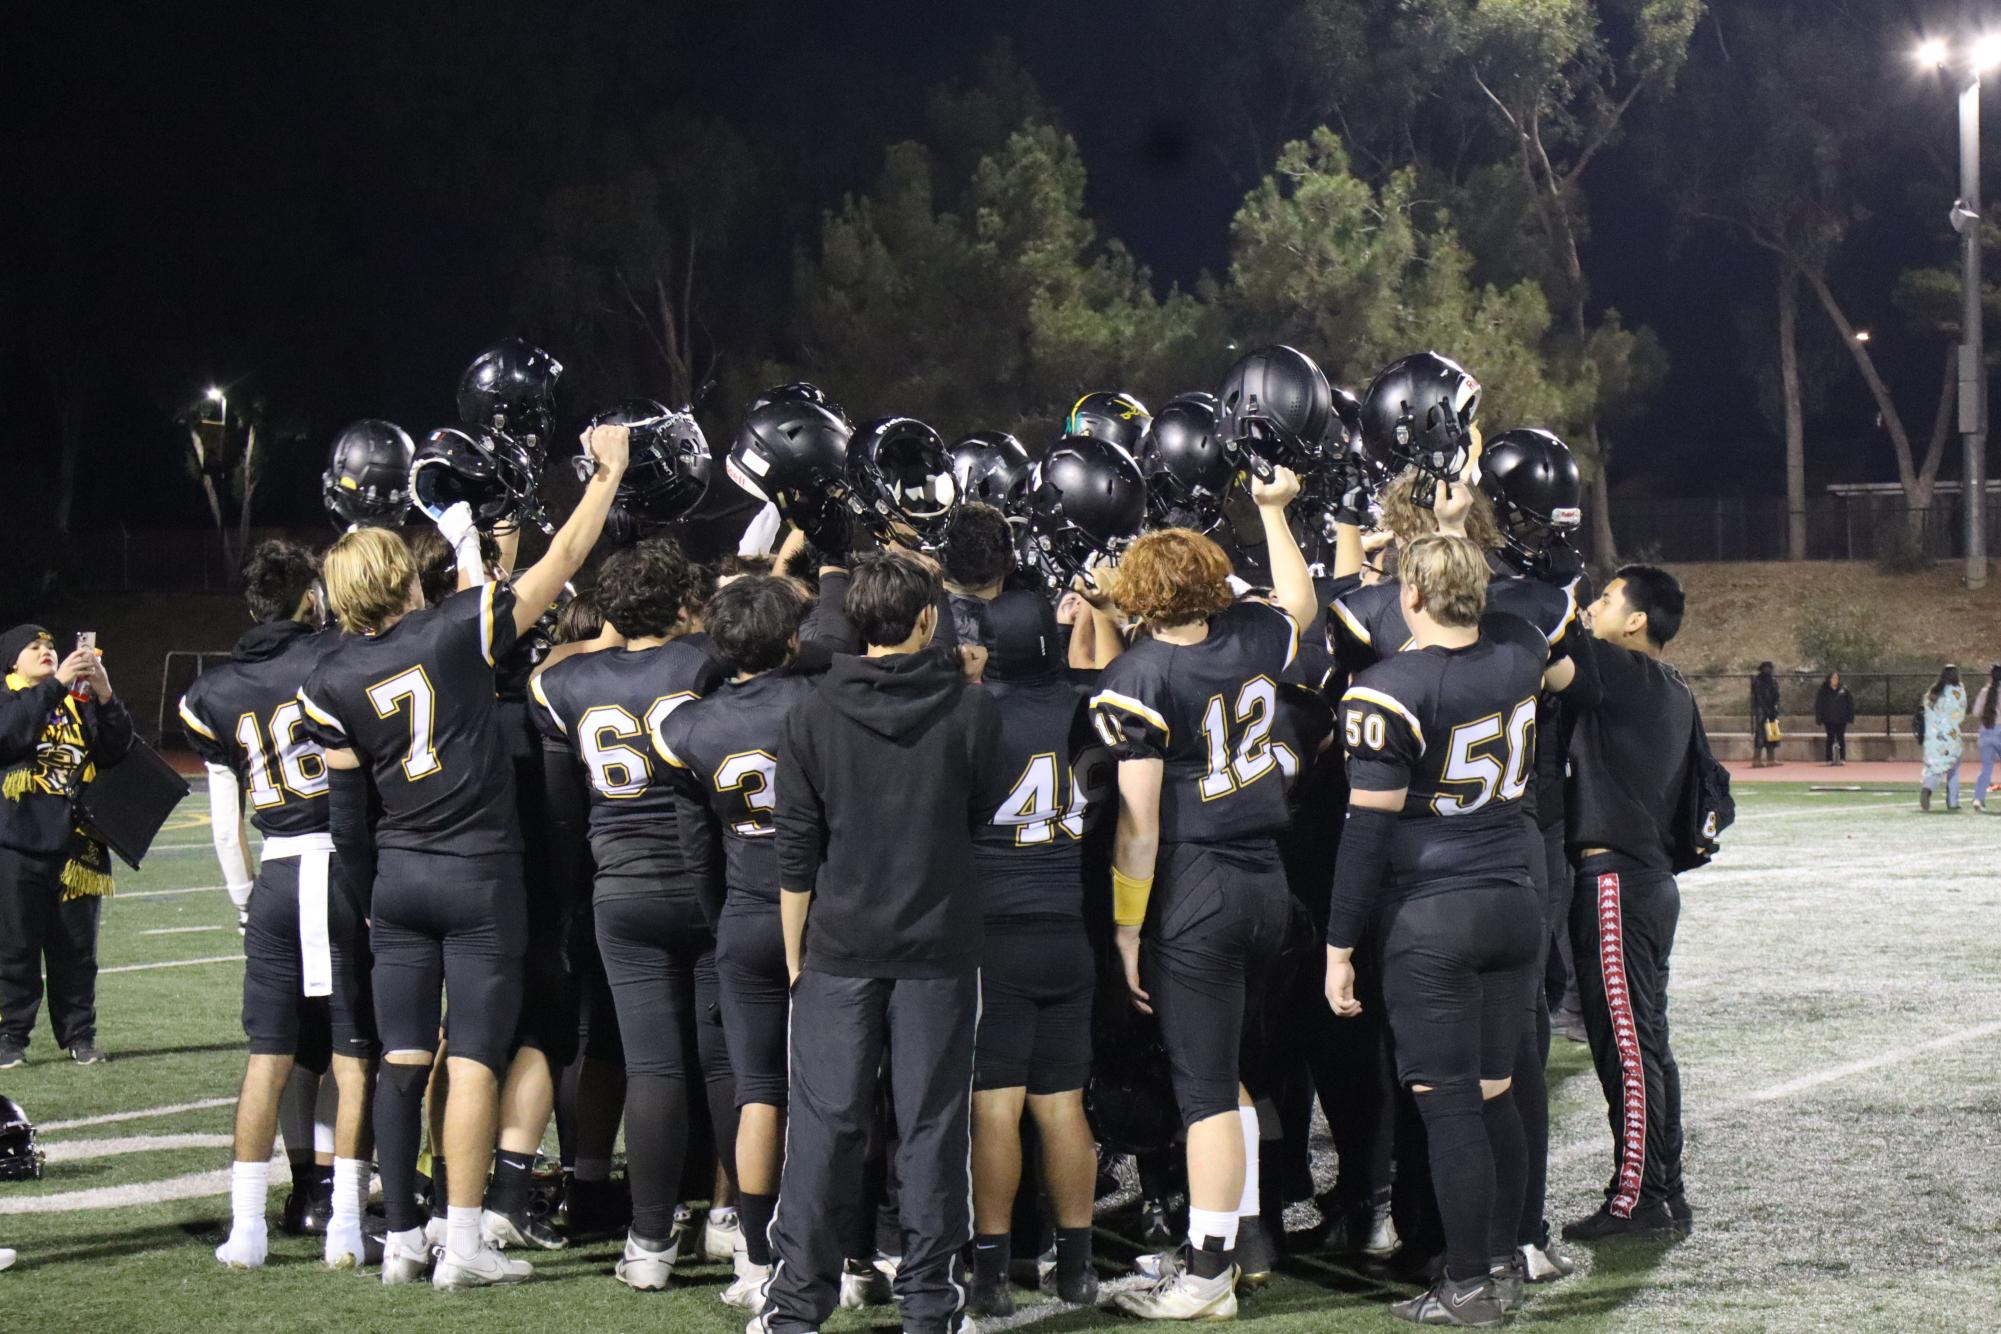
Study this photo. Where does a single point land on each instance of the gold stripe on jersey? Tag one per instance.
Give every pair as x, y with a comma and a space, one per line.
1133, 706
188, 717
1393, 704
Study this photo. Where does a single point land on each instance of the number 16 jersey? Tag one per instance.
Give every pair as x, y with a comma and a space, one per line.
416, 705
1207, 710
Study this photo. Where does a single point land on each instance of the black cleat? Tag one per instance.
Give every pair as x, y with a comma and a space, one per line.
307, 1214
1255, 1255
594, 1209
1461, 1304
1649, 1222
521, 1229
992, 1298
1078, 1289
1156, 1224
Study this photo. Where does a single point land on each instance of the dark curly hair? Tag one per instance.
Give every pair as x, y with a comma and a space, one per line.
752, 620
276, 578
979, 546
581, 618
644, 588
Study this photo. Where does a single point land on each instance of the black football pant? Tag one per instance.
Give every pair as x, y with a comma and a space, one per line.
841, 1028
1622, 924
36, 926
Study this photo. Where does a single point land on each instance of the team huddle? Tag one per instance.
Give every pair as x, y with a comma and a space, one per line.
992, 816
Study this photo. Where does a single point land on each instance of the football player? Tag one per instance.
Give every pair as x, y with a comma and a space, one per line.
305, 978
977, 556
725, 748
1438, 861
1199, 894
405, 707
1037, 978
656, 941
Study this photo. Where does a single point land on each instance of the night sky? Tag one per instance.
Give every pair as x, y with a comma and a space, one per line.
318, 206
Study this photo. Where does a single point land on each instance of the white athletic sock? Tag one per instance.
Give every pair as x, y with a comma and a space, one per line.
350, 1184
593, 1169
1203, 1224
462, 1235
249, 1192
323, 1114
1247, 1204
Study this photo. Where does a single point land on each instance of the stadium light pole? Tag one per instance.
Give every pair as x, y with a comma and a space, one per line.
1977, 57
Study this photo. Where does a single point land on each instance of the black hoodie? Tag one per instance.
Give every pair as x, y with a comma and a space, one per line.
883, 774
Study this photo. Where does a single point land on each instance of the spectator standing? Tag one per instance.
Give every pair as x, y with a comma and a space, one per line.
1764, 718
1987, 708
1834, 709
1944, 711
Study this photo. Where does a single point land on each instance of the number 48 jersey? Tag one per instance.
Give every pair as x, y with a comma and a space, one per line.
246, 717
1207, 710
1454, 728
416, 705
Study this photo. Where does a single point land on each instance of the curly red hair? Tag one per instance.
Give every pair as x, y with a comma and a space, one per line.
1172, 576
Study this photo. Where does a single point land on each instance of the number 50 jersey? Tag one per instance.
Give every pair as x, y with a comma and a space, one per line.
416, 705
1207, 710
1455, 728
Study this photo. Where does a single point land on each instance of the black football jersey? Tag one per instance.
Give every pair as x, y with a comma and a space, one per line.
245, 716
1367, 625
727, 744
1208, 710
1455, 728
416, 704
1061, 780
609, 707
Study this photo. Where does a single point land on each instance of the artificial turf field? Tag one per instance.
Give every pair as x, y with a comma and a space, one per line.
1837, 1008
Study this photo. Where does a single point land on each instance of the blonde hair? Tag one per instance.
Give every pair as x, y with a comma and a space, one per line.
1449, 575
1408, 521
1172, 576
369, 574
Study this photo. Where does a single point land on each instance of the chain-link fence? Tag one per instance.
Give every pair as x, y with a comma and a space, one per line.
1751, 528
1884, 701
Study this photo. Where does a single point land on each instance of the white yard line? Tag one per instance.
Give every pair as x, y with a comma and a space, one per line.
109, 1118
194, 1186
180, 930
172, 963
139, 894
76, 1150
1758, 817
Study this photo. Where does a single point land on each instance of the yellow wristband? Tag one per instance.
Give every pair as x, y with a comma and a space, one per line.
1129, 896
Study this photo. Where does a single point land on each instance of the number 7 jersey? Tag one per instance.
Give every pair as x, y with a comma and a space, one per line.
1207, 710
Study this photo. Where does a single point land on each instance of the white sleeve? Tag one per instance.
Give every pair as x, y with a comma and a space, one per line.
226, 828
761, 537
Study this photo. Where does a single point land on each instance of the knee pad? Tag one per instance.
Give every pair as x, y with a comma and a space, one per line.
408, 1081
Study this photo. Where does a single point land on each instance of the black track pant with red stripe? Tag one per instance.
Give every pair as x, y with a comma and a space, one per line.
1622, 922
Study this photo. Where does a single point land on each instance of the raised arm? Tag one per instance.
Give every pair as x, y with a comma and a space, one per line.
538, 586
1291, 581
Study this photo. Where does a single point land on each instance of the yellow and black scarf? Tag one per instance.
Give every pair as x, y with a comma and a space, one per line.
60, 768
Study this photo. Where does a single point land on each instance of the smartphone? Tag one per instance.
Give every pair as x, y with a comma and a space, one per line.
87, 639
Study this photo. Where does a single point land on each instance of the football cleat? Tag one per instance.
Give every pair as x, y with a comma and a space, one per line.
352, 1248
1078, 1289
1463, 1304
307, 1213
722, 1236
1177, 1294
1545, 1263
242, 1252
646, 1270
746, 1291
1156, 1223
521, 1229
992, 1298
863, 1284
1509, 1279
406, 1258
1255, 1254
487, 1268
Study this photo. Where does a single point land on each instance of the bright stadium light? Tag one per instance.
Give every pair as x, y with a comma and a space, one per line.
1932, 52
214, 394
1987, 52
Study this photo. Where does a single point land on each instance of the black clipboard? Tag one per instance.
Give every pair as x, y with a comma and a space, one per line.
127, 803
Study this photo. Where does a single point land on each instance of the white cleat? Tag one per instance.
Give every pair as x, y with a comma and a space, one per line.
406, 1257
1545, 1264
1383, 1239
1179, 1295
486, 1269
351, 1248
746, 1293
722, 1236
644, 1270
244, 1252
436, 1230
864, 1284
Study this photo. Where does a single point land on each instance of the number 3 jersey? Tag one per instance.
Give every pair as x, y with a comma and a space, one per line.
416, 705
609, 708
1207, 710
246, 717
726, 749
1455, 728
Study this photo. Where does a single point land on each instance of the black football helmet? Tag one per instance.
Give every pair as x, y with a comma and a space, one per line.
1110, 415
1130, 1098
798, 391
1532, 479
793, 453
1087, 501
367, 481
899, 474
490, 471
511, 387
668, 472
20, 1156
1417, 412
1273, 409
1187, 469
994, 467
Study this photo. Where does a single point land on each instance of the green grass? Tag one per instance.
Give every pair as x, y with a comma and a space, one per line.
1839, 930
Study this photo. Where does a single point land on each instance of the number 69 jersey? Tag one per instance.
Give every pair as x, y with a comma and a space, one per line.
416, 705
1455, 728
1207, 710
246, 717
610, 707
